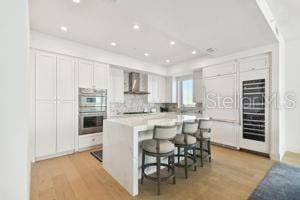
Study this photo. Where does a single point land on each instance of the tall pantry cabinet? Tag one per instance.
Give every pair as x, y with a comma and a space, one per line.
55, 104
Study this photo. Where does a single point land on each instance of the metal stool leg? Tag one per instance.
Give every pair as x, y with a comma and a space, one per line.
173, 168
185, 162
143, 167
158, 174
195, 158
209, 150
201, 152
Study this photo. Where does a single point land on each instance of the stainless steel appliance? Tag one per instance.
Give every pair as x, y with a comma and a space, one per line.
92, 110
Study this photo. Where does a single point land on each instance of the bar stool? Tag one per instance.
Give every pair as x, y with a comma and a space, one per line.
187, 142
160, 146
203, 137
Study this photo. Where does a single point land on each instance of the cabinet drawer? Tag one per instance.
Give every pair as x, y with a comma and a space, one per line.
219, 70
259, 62
90, 140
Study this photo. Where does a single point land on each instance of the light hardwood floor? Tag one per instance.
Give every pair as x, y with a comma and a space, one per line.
231, 175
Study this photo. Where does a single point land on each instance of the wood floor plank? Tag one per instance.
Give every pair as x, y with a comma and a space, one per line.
231, 175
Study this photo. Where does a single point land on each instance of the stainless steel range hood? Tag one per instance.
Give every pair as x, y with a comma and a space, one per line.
134, 84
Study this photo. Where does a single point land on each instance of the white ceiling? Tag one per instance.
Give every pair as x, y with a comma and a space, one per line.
287, 15
227, 25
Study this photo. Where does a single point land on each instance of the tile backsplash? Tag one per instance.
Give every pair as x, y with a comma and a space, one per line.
133, 103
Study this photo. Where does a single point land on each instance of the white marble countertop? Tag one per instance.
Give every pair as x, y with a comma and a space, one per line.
147, 121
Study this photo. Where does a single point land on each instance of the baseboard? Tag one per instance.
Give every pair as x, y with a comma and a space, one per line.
293, 148
54, 155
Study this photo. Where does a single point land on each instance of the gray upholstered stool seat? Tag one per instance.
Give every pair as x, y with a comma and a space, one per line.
179, 139
165, 146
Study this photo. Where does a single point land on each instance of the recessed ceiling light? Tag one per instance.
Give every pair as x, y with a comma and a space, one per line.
136, 27
168, 61
172, 43
146, 54
113, 44
194, 52
63, 28
76, 1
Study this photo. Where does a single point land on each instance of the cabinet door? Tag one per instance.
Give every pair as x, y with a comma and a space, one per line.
45, 76
161, 89
219, 70
150, 89
65, 126
197, 87
116, 85
169, 90
45, 128
85, 70
155, 87
224, 133
100, 76
220, 104
65, 78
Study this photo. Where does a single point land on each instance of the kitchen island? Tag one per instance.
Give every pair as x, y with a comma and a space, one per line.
122, 140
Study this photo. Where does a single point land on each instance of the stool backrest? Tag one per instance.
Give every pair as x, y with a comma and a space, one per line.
190, 127
164, 132
205, 125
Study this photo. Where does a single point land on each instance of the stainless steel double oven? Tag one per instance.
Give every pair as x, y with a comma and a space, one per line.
92, 110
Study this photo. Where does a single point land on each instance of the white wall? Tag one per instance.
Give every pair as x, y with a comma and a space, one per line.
15, 165
67, 47
292, 84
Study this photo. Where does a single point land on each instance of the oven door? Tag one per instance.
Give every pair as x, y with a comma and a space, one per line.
91, 123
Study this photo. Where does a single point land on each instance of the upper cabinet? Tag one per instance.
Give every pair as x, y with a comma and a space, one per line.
116, 85
198, 88
171, 90
45, 76
86, 73
219, 70
162, 89
254, 63
93, 74
101, 74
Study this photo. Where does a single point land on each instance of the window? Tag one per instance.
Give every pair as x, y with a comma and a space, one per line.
186, 92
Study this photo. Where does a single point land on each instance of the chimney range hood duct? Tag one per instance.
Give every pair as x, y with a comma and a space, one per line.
134, 84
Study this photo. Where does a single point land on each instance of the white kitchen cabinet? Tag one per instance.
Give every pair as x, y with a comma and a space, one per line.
65, 126
55, 111
224, 133
116, 86
253, 63
65, 78
198, 88
153, 97
45, 76
92, 74
219, 103
219, 70
86, 74
90, 140
100, 76
171, 90
162, 89
45, 128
